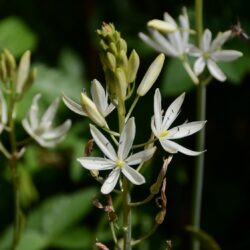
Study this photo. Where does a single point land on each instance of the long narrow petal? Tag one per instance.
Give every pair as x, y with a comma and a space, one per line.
126, 139
157, 110
50, 113
96, 163
199, 66
33, 112
226, 55
58, 131
220, 40
169, 19
103, 143
185, 129
73, 106
172, 112
3, 111
110, 182
140, 156
206, 40
98, 96
166, 46
150, 42
215, 71
134, 176
173, 147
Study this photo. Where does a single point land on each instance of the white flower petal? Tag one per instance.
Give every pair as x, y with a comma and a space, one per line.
175, 147
157, 110
96, 163
226, 55
98, 96
185, 129
172, 112
110, 183
220, 40
3, 111
58, 131
133, 176
73, 106
199, 66
150, 42
194, 51
50, 113
166, 46
140, 156
126, 139
103, 143
206, 40
33, 112
215, 71
169, 19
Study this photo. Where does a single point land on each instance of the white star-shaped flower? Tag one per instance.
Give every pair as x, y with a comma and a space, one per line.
99, 97
3, 112
210, 52
175, 42
120, 161
41, 130
161, 122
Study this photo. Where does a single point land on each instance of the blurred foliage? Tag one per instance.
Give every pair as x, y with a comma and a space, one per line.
16, 36
64, 50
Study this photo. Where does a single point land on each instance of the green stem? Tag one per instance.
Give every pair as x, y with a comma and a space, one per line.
132, 107
126, 215
135, 242
15, 177
200, 139
138, 203
125, 185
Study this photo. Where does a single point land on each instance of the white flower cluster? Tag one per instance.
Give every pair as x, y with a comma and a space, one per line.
168, 37
120, 161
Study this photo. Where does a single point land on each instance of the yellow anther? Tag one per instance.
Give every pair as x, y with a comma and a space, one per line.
164, 133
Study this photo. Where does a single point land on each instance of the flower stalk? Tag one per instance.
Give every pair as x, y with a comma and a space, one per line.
200, 139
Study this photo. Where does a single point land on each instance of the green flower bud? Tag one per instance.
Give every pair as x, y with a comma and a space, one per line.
113, 48
151, 75
3, 69
23, 72
122, 60
10, 63
90, 109
133, 65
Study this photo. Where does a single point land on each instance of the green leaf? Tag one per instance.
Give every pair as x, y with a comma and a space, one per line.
78, 238
175, 79
236, 70
32, 240
16, 36
59, 213
206, 240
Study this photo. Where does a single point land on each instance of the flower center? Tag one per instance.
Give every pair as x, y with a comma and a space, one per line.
164, 133
206, 55
120, 163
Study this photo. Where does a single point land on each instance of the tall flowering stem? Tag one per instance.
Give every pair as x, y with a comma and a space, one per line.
200, 139
13, 167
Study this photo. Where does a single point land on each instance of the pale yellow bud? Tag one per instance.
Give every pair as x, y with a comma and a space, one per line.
151, 75
90, 109
133, 65
122, 83
23, 72
162, 26
111, 61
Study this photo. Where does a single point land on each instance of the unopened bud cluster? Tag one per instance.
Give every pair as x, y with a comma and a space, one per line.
20, 76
